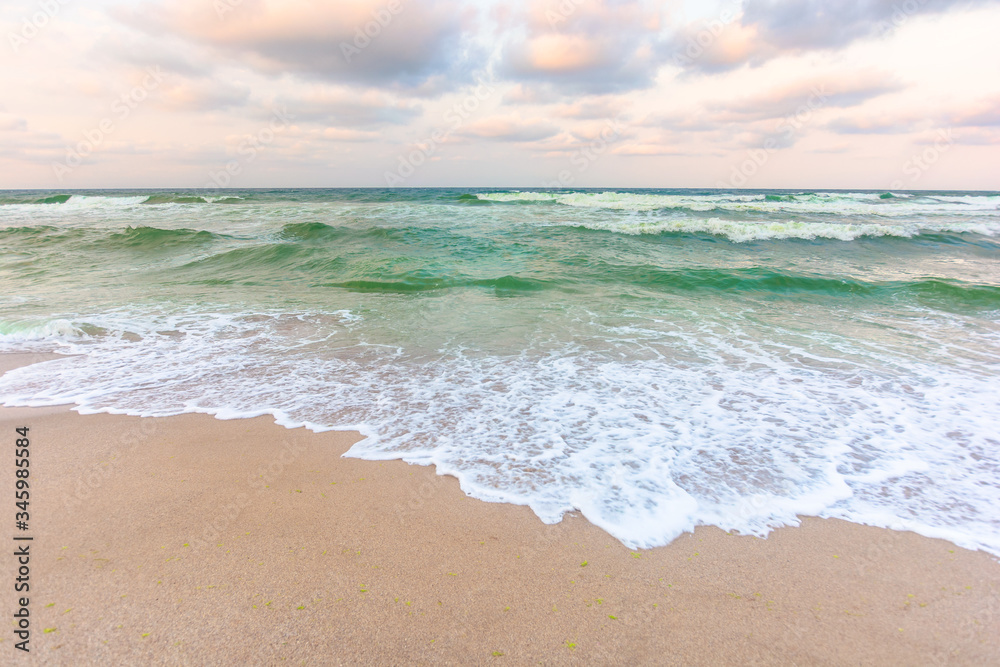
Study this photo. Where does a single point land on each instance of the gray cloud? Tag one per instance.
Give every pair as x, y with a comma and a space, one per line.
841, 92
797, 98
821, 24
421, 42
770, 28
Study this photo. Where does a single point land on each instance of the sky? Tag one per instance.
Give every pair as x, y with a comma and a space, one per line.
876, 94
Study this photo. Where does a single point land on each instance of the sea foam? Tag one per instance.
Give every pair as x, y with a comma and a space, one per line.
840, 204
713, 428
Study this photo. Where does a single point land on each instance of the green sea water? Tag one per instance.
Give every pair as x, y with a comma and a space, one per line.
656, 359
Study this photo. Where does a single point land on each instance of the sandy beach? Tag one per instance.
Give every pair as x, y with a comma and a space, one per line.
531, 333
189, 540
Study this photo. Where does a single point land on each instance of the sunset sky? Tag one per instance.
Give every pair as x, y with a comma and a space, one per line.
901, 94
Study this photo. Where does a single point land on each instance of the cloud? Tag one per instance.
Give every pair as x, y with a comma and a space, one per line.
522, 94
338, 134
9, 123
985, 113
798, 99
837, 91
343, 108
715, 44
203, 95
648, 150
598, 46
139, 51
767, 29
354, 42
820, 24
509, 128
872, 125
22, 143
832, 149
977, 136
589, 109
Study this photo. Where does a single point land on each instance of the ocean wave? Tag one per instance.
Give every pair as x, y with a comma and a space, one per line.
744, 231
54, 199
121, 201
102, 201
175, 199
154, 238
842, 204
59, 329
356, 231
192, 199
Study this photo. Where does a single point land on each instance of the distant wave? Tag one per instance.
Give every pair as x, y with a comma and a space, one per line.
843, 204
740, 231
120, 201
54, 199
733, 230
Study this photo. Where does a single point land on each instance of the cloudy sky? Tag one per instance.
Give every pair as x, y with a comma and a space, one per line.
878, 94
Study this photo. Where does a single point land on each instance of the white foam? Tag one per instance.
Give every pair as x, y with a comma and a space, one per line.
843, 204
101, 201
743, 231
704, 427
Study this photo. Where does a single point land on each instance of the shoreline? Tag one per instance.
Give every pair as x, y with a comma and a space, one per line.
188, 539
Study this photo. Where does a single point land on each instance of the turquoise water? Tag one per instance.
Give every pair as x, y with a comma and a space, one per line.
655, 359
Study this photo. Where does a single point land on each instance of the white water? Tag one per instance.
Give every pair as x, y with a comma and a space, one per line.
840, 204
703, 425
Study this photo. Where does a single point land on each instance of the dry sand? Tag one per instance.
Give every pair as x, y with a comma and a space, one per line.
192, 541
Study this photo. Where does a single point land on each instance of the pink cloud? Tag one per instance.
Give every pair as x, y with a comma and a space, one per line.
509, 128
591, 46
983, 113
401, 42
